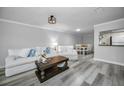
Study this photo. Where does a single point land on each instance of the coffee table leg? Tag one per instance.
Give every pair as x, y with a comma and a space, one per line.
42, 74
66, 64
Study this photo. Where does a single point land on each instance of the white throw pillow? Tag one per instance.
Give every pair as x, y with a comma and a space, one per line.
24, 52
38, 51
14, 52
62, 49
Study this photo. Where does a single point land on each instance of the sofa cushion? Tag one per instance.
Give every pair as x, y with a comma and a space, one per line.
20, 61
18, 57
47, 50
64, 49
18, 52
67, 51
38, 51
24, 52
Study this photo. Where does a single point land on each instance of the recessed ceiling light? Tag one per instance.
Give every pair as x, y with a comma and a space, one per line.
78, 30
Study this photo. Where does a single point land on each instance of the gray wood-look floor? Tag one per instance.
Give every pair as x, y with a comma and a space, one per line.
84, 72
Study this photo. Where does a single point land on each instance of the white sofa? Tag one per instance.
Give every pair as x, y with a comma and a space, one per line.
68, 51
18, 62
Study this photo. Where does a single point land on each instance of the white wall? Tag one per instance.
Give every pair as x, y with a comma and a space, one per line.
88, 38
13, 36
112, 54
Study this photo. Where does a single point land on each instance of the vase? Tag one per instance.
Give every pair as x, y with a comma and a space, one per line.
44, 60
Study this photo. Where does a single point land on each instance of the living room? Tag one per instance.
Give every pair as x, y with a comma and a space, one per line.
30, 34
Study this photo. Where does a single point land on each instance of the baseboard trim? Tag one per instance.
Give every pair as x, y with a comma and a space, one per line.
107, 61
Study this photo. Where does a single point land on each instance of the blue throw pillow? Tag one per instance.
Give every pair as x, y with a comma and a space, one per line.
32, 53
47, 50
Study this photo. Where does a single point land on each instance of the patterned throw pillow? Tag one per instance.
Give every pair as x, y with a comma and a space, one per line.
32, 53
47, 50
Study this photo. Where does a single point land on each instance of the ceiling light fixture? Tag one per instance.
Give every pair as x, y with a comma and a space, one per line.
78, 30
51, 19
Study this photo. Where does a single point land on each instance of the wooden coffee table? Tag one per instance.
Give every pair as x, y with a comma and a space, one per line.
50, 69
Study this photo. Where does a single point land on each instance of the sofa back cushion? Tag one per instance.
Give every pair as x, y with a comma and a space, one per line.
28, 52
65, 49
18, 52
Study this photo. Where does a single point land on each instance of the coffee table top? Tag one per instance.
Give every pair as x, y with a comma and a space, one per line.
51, 61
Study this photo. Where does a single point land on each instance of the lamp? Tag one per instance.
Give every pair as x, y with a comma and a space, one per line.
51, 19
55, 46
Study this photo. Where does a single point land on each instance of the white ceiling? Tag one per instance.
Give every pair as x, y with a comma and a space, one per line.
68, 19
